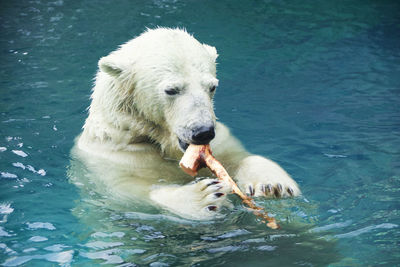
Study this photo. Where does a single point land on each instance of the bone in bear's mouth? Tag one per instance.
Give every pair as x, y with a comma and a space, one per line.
183, 145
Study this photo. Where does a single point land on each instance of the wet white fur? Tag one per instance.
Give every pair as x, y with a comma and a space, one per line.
130, 138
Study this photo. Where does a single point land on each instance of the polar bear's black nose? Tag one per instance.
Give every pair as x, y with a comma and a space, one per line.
203, 135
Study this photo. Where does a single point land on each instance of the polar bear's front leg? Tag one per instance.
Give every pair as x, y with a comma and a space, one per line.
258, 176
200, 201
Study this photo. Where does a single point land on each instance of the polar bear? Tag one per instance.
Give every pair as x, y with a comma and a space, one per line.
153, 97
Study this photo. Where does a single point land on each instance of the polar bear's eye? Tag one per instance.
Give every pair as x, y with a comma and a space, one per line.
172, 91
212, 89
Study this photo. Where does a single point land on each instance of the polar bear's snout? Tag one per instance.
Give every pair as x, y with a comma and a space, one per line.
191, 116
200, 135
203, 135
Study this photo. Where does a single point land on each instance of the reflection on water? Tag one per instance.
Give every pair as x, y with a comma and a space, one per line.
313, 85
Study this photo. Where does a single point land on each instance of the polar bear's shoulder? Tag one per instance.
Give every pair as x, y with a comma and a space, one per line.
225, 146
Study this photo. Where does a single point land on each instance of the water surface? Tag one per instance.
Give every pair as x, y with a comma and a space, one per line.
313, 85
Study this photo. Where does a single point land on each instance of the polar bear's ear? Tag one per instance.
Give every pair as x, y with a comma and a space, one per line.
211, 50
111, 66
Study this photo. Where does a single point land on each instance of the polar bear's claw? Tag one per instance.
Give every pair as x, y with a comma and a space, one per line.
277, 190
261, 177
212, 208
209, 185
213, 182
251, 191
271, 191
217, 195
290, 191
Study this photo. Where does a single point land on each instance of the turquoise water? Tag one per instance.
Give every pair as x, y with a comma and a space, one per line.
314, 85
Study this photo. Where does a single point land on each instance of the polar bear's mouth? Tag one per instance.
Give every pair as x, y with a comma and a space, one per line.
183, 145
198, 136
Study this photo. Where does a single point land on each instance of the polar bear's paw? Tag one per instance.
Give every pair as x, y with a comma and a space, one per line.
202, 200
258, 176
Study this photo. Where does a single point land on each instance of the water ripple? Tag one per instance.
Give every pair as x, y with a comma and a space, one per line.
3, 232
114, 234
234, 233
227, 249
331, 226
103, 245
64, 257
8, 175
38, 238
366, 230
29, 168
40, 225
56, 247
107, 255
5, 208
19, 153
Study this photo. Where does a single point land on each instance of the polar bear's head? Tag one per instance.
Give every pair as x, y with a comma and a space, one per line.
165, 81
